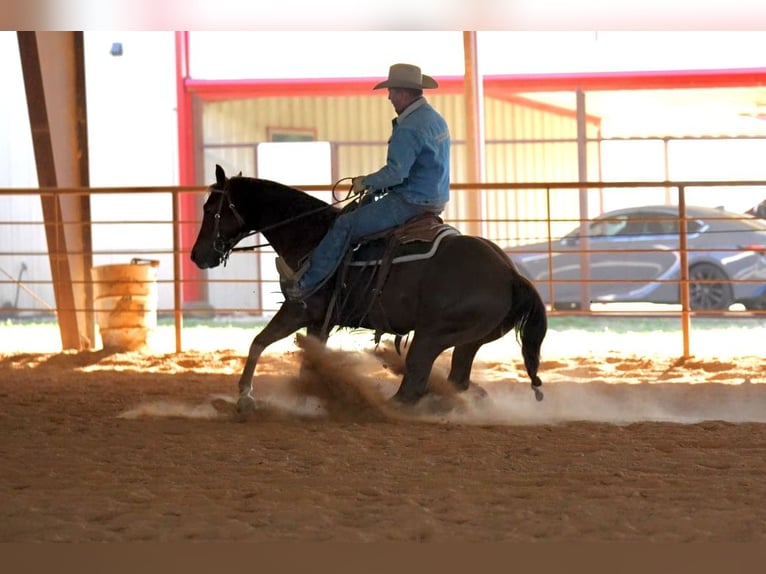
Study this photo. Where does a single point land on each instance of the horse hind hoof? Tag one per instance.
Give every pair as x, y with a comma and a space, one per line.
538, 394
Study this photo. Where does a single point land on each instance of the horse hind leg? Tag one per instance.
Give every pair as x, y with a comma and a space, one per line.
462, 363
418, 365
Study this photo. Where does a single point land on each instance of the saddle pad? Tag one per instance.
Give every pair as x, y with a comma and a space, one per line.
409, 249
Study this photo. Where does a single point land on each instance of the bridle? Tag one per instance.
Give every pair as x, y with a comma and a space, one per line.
225, 248
222, 247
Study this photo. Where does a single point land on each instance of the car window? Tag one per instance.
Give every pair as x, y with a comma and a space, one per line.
661, 227
638, 224
608, 227
664, 224
653, 223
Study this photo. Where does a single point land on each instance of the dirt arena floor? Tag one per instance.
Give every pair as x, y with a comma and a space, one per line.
146, 447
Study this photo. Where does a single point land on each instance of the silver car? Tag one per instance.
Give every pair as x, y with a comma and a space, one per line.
633, 254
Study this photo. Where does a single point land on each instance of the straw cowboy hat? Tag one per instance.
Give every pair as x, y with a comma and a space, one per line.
407, 76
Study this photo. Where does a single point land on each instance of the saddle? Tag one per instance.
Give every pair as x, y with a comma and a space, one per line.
417, 238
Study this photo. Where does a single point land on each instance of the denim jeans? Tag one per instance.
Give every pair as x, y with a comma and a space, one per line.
387, 212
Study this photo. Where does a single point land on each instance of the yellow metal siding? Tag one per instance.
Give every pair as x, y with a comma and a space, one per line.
521, 146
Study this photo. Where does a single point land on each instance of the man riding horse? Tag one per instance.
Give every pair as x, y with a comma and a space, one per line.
414, 181
463, 294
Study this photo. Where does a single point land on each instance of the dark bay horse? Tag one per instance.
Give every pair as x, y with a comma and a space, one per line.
467, 294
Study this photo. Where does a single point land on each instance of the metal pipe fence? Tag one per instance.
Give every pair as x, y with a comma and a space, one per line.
146, 222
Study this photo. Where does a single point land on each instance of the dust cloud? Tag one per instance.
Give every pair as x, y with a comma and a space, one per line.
344, 385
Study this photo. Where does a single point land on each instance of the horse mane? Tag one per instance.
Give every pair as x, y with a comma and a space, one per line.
284, 201
289, 212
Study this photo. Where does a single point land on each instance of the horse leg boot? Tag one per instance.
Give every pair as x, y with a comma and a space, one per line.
417, 368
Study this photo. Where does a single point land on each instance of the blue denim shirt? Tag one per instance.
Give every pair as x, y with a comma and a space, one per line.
418, 159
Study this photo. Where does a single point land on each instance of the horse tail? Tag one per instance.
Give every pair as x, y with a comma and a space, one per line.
529, 318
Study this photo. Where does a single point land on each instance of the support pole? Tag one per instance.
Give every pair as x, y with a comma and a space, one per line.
54, 80
474, 113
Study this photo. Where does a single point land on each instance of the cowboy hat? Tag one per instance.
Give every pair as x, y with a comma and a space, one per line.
407, 76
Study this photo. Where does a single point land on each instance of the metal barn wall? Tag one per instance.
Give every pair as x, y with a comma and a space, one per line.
359, 127
524, 143
365, 121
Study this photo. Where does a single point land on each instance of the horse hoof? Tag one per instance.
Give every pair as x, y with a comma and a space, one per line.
538, 394
245, 405
477, 393
405, 399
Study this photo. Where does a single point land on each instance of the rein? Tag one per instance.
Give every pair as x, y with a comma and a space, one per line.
221, 246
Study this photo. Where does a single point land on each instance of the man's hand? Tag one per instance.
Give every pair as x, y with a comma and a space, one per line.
357, 184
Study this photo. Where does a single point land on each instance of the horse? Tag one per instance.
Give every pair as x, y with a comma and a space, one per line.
466, 294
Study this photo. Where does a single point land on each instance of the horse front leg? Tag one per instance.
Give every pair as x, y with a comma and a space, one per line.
290, 317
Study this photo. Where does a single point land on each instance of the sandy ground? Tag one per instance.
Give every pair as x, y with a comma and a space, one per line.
144, 446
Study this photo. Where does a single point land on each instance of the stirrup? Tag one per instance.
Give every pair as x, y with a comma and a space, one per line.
284, 270
293, 292
287, 273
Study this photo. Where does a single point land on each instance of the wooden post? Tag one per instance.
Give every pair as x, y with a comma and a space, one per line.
54, 80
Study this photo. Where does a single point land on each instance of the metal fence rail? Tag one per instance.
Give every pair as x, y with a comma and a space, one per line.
547, 211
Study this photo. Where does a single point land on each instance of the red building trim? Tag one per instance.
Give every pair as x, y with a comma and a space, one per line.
650, 80
493, 85
190, 274
233, 89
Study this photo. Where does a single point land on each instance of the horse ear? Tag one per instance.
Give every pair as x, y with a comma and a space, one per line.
239, 174
220, 175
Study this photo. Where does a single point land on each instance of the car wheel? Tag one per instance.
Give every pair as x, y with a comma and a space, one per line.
708, 288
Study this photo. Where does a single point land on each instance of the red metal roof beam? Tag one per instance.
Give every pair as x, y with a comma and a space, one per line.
600, 81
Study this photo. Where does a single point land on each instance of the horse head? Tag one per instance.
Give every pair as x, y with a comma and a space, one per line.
222, 225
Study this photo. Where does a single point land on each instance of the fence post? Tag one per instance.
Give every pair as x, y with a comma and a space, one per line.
177, 271
684, 278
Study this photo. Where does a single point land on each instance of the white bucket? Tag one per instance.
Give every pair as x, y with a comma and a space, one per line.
125, 298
